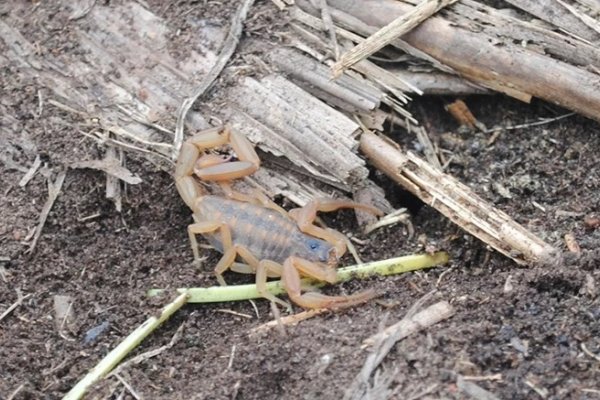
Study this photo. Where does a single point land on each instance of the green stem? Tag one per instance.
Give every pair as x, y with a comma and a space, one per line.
391, 266
243, 292
127, 345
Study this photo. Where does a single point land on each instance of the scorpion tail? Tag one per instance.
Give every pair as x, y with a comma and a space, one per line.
318, 300
290, 277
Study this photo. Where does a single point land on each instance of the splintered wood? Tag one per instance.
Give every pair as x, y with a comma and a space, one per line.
494, 50
135, 109
274, 114
457, 202
388, 33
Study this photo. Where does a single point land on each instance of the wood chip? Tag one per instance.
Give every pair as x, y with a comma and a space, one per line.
572, 244
462, 114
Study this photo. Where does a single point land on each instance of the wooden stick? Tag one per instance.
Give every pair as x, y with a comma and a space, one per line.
385, 341
289, 320
457, 202
509, 68
326, 17
229, 46
412, 323
388, 33
371, 70
361, 96
438, 83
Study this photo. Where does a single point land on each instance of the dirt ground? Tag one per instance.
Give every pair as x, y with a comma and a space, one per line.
541, 338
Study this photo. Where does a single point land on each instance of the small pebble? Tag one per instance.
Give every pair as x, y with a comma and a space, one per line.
92, 334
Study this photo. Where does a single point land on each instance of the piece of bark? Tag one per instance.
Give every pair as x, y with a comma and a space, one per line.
396, 28
106, 82
353, 94
387, 82
438, 83
511, 69
576, 10
504, 28
457, 202
366, 67
551, 11
132, 104
354, 24
321, 137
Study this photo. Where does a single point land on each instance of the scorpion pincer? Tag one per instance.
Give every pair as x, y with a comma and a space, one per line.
250, 227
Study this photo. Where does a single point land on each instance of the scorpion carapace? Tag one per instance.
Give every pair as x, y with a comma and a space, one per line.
271, 241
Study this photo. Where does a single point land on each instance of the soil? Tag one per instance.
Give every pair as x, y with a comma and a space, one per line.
536, 328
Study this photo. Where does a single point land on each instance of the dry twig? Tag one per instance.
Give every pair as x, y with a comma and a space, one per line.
457, 202
14, 305
128, 387
110, 166
289, 320
53, 191
233, 37
149, 354
386, 340
543, 121
37, 163
388, 33
15, 392
326, 17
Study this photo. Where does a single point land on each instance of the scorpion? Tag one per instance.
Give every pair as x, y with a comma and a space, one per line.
251, 227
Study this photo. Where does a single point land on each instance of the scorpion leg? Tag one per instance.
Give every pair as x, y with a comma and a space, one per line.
266, 202
229, 251
242, 268
256, 197
262, 268
306, 215
293, 266
197, 229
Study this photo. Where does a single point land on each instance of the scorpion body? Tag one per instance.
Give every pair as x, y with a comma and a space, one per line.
251, 228
266, 233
